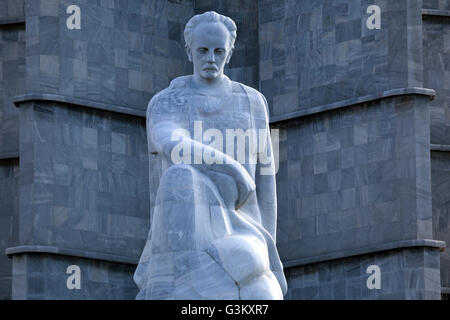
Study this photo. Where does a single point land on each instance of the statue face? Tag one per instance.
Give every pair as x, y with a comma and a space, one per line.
210, 50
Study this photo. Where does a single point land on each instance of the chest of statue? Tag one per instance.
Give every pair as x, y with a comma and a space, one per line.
240, 108
225, 123
218, 113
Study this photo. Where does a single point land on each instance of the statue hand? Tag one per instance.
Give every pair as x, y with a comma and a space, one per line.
234, 190
226, 186
245, 185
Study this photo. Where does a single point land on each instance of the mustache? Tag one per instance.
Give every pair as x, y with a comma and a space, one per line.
211, 67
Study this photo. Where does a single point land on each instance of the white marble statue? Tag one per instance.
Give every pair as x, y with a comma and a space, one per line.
213, 220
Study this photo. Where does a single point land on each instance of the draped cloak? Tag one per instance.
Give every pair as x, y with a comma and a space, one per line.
188, 210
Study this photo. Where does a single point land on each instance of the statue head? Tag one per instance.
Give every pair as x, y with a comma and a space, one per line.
210, 41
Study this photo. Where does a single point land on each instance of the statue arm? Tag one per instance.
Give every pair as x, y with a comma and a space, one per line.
266, 183
165, 133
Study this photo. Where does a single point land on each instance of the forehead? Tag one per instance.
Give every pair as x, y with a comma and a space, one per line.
210, 34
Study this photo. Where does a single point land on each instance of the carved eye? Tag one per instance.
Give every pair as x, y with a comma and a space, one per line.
203, 50
220, 51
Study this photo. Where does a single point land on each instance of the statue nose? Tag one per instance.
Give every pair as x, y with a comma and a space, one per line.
211, 57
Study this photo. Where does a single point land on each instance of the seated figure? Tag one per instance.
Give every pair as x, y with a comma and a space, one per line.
213, 223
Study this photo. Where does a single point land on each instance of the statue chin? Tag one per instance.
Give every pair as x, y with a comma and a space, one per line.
209, 75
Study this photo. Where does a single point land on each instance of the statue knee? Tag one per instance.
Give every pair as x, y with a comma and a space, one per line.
179, 170
242, 257
263, 287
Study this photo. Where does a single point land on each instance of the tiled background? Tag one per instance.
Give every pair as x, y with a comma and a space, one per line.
350, 178
122, 55
440, 177
9, 171
436, 39
11, 10
436, 4
83, 179
12, 83
12, 73
43, 276
403, 276
318, 52
314, 53
436, 43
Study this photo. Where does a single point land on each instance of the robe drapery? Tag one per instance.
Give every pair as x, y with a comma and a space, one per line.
200, 246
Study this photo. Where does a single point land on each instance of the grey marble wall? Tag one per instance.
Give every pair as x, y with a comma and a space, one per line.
436, 39
11, 10
12, 73
125, 51
354, 177
436, 4
440, 177
43, 276
403, 276
12, 83
9, 170
318, 52
83, 179
359, 176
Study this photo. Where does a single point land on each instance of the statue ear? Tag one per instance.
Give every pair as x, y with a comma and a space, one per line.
188, 52
229, 55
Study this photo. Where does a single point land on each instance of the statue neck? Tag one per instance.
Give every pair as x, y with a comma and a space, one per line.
221, 86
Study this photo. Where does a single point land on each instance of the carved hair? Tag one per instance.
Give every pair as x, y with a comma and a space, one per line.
209, 16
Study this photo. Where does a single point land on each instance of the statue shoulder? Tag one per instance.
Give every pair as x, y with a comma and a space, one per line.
179, 83
258, 101
239, 86
168, 100
157, 100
